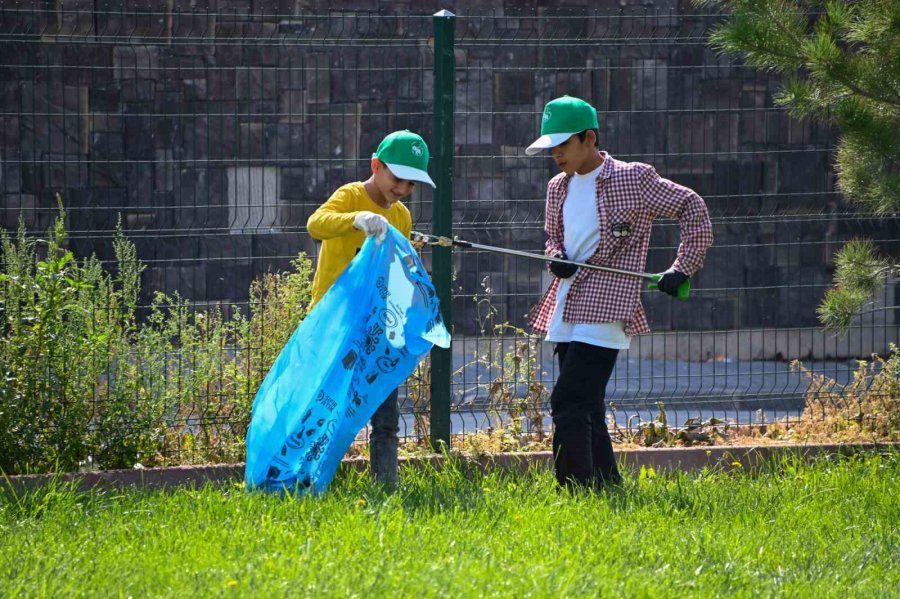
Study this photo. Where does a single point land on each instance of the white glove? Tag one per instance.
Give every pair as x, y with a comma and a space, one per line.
371, 224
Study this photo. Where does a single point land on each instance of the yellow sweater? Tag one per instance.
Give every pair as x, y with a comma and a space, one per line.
332, 223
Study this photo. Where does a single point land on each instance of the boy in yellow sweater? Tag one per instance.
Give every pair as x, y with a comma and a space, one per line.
352, 213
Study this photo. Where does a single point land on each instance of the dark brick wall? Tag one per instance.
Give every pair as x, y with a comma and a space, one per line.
179, 116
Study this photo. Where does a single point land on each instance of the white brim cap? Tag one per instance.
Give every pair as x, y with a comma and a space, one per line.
548, 141
410, 174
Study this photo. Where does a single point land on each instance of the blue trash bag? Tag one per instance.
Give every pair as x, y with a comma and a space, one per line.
359, 343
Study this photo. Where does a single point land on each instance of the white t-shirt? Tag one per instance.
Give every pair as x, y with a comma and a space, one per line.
581, 226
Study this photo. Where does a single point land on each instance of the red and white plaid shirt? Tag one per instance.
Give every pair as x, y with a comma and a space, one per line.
630, 195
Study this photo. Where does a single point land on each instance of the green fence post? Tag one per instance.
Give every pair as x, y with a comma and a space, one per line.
442, 215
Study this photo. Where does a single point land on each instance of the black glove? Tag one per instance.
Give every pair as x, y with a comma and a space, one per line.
670, 281
563, 271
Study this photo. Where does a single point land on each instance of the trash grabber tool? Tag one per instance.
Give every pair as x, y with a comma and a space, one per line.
683, 289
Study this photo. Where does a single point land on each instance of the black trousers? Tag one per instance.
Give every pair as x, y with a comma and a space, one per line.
384, 443
581, 443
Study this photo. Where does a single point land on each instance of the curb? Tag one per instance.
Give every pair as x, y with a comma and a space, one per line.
749, 458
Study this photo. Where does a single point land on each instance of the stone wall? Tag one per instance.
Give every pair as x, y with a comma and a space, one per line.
214, 129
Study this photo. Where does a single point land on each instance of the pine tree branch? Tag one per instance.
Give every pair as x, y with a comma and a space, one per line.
798, 42
765, 50
860, 91
780, 25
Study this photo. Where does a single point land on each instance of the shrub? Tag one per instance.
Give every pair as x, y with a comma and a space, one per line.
87, 385
59, 320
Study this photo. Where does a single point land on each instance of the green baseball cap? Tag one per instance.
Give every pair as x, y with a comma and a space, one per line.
406, 155
563, 118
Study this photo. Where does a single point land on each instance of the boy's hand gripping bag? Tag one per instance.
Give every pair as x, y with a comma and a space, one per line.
359, 343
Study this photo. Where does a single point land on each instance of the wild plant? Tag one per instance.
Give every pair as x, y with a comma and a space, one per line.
86, 384
865, 409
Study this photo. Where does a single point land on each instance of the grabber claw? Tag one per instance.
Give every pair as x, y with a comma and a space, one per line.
431, 239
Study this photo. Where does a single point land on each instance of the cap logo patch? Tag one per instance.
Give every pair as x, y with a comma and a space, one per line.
416, 149
546, 116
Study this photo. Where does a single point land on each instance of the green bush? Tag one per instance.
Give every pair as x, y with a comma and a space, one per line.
87, 385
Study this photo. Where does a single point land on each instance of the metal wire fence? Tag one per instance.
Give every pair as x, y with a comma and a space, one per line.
704, 121
212, 132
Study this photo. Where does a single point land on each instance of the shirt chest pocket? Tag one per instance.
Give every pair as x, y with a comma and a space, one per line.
623, 226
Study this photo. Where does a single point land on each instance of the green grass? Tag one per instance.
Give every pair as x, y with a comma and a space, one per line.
826, 530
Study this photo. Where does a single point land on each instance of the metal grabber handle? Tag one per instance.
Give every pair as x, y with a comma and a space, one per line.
683, 290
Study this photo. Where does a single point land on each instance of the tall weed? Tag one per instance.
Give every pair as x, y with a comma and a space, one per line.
85, 384
865, 409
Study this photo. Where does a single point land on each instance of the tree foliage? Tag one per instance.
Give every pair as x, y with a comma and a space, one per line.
841, 64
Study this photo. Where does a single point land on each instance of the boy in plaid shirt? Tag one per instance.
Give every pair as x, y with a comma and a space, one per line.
600, 210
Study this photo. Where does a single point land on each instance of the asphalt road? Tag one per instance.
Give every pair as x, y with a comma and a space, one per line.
743, 392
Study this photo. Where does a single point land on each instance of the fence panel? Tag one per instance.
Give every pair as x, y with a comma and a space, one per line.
702, 120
